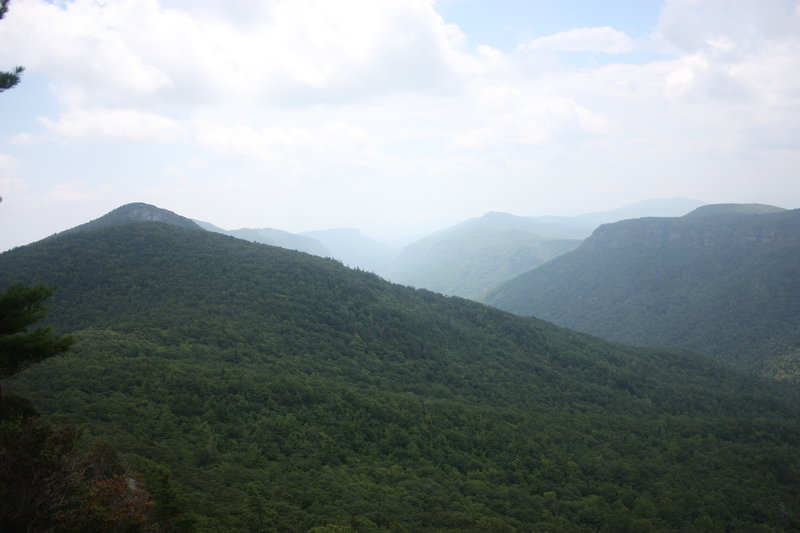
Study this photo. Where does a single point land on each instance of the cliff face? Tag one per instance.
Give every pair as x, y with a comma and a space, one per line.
696, 230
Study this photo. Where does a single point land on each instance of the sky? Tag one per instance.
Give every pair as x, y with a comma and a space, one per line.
392, 116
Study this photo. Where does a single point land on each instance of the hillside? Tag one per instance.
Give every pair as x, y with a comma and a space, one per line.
478, 254
286, 392
722, 279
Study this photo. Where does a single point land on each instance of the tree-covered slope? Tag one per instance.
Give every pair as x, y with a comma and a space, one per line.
285, 392
723, 279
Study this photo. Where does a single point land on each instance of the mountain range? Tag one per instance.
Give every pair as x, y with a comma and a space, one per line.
723, 279
467, 259
279, 391
475, 256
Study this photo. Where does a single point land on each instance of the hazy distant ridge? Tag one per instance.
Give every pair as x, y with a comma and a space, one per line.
475, 256
273, 237
478, 254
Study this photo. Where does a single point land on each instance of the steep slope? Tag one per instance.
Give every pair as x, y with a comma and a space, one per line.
286, 392
273, 237
723, 279
478, 254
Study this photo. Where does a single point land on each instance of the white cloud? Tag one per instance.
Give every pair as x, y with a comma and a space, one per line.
120, 124
11, 186
75, 191
734, 73
524, 115
329, 143
23, 139
727, 29
85, 45
683, 77
8, 164
301, 51
603, 39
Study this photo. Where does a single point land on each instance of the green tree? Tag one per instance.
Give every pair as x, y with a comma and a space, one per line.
20, 307
11, 78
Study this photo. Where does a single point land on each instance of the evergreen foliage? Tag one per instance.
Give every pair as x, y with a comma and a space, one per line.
20, 307
11, 78
260, 389
48, 482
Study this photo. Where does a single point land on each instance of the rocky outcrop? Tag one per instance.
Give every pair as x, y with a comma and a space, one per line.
136, 212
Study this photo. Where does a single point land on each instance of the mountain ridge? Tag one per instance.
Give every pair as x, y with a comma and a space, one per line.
709, 227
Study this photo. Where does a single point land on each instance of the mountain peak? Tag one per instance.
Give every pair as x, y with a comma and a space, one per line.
137, 212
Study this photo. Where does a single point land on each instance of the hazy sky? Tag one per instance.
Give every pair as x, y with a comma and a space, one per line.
405, 115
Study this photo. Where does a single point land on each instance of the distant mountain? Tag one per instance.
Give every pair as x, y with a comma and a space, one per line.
584, 225
353, 248
478, 254
273, 237
723, 279
475, 256
260, 389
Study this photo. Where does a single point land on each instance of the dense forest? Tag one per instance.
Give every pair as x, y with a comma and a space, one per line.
252, 388
722, 279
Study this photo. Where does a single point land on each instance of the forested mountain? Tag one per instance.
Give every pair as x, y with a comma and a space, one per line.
724, 279
273, 237
478, 254
261, 389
